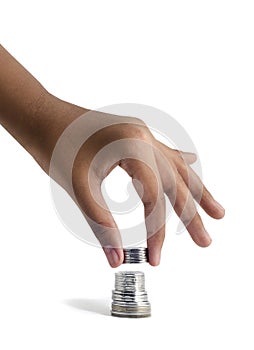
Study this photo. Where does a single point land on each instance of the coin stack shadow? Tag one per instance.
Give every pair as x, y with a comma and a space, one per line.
130, 297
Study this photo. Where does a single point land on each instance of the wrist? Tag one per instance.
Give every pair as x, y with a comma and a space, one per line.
52, 117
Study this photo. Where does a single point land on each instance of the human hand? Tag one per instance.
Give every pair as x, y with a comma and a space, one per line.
79, 148
93, 144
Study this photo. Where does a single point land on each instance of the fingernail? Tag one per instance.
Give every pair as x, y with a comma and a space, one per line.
204, 240
112, 256
208, 238
219, 205
157, 260
154, 258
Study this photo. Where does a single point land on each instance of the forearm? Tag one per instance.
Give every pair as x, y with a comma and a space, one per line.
27, 110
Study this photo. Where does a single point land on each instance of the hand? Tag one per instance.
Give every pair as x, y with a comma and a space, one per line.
37, 120
155, 169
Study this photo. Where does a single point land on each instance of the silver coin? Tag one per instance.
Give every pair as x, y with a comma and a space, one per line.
135, 255
129, 299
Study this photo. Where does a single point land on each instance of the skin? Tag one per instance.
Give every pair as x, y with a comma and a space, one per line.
36, 119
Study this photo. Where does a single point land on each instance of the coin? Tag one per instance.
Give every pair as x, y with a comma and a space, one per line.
135, 255
129, 297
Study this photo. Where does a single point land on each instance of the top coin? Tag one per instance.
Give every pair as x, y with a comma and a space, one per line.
135, 255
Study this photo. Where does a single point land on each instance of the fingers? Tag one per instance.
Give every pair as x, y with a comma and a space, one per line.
181, 198
200, 192
188, 157
185, 208
154, 245
148, 185
99, 217
192, 181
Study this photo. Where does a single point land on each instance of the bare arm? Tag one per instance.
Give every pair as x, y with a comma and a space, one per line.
37, 119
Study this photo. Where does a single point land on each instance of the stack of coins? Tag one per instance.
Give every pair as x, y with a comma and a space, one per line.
135, 255
130, 297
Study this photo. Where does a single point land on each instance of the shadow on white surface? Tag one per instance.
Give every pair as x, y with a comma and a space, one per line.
98, 306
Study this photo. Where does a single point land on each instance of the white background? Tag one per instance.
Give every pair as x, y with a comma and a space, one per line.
192, 59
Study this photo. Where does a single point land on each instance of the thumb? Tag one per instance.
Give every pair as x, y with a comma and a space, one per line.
94, 208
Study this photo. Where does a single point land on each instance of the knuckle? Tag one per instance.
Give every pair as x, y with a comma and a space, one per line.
139, 132
187, 216
137, 129
101, 227
170, 184
155, 199
179, 161
177, 153
170, 187
149, 201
